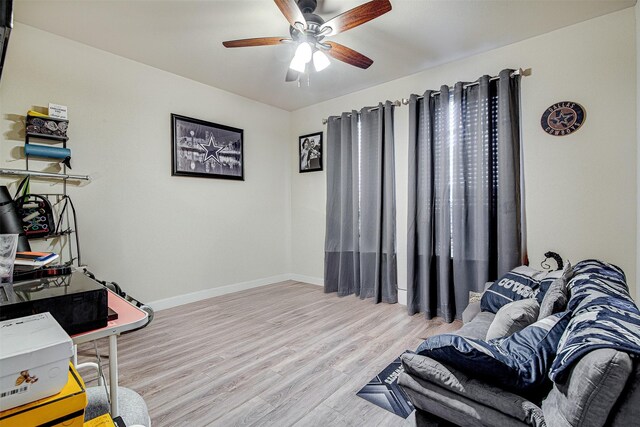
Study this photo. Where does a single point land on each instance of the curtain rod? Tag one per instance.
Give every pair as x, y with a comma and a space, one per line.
396, 103
519, 72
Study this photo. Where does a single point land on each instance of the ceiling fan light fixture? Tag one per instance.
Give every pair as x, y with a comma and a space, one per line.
308, 31
320, 60
297, 64
303, 53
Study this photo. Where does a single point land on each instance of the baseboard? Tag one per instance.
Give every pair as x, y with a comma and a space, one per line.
215, 292
402, 296
402, 293
307, 279
237, 287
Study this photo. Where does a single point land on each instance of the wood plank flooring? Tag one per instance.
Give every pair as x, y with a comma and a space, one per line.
281, 355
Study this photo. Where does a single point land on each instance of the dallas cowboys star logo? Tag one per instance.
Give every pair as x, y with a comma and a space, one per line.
213, 150
562, 119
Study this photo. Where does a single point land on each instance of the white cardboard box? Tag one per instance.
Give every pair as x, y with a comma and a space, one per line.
57, 111
34, 359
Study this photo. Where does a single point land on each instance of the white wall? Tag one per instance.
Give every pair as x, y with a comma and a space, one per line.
637, 11
158, 236
580, 189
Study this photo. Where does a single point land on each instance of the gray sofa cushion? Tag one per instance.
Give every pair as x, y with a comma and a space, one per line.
556, 298
478, 327
513, 317
453, 407
627, 410
426, 370
425, 419
593, 386
470, 312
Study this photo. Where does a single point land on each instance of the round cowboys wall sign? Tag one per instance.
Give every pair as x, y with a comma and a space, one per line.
562, 118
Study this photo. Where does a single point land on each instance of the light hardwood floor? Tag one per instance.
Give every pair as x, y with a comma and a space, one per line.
280, 355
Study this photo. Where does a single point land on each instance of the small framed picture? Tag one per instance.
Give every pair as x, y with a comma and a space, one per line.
310, 147
205, 149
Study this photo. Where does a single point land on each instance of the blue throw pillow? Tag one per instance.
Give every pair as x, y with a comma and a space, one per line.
518, 363
520, 283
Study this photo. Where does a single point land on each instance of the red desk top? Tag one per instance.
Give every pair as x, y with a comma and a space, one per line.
129, 317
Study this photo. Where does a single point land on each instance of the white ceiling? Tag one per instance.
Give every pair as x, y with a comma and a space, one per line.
185, 37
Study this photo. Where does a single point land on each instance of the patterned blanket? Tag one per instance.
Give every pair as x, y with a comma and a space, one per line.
604, 316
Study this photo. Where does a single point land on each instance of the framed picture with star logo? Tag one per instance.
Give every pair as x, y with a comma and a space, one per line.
207, 150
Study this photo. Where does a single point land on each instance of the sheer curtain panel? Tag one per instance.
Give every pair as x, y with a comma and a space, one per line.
464, 213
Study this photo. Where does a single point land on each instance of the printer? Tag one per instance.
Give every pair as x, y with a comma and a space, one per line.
77, 302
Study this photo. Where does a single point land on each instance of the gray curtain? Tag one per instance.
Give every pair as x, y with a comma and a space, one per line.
360, 256
464, 217
377, 205
342, 251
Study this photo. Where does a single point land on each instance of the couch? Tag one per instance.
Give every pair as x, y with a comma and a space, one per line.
601, 389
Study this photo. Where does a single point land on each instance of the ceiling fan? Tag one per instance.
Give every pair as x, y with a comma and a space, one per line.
308, 30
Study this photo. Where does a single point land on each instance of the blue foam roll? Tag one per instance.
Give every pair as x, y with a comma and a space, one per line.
46, 151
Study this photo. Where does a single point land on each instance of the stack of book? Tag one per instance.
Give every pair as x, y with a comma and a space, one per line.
35, 259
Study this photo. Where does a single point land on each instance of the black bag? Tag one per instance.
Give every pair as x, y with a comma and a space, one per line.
35, 212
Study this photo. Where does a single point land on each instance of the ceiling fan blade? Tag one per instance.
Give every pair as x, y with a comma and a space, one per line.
258, 41
292, 75
350, 56
356, 16
292, 12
